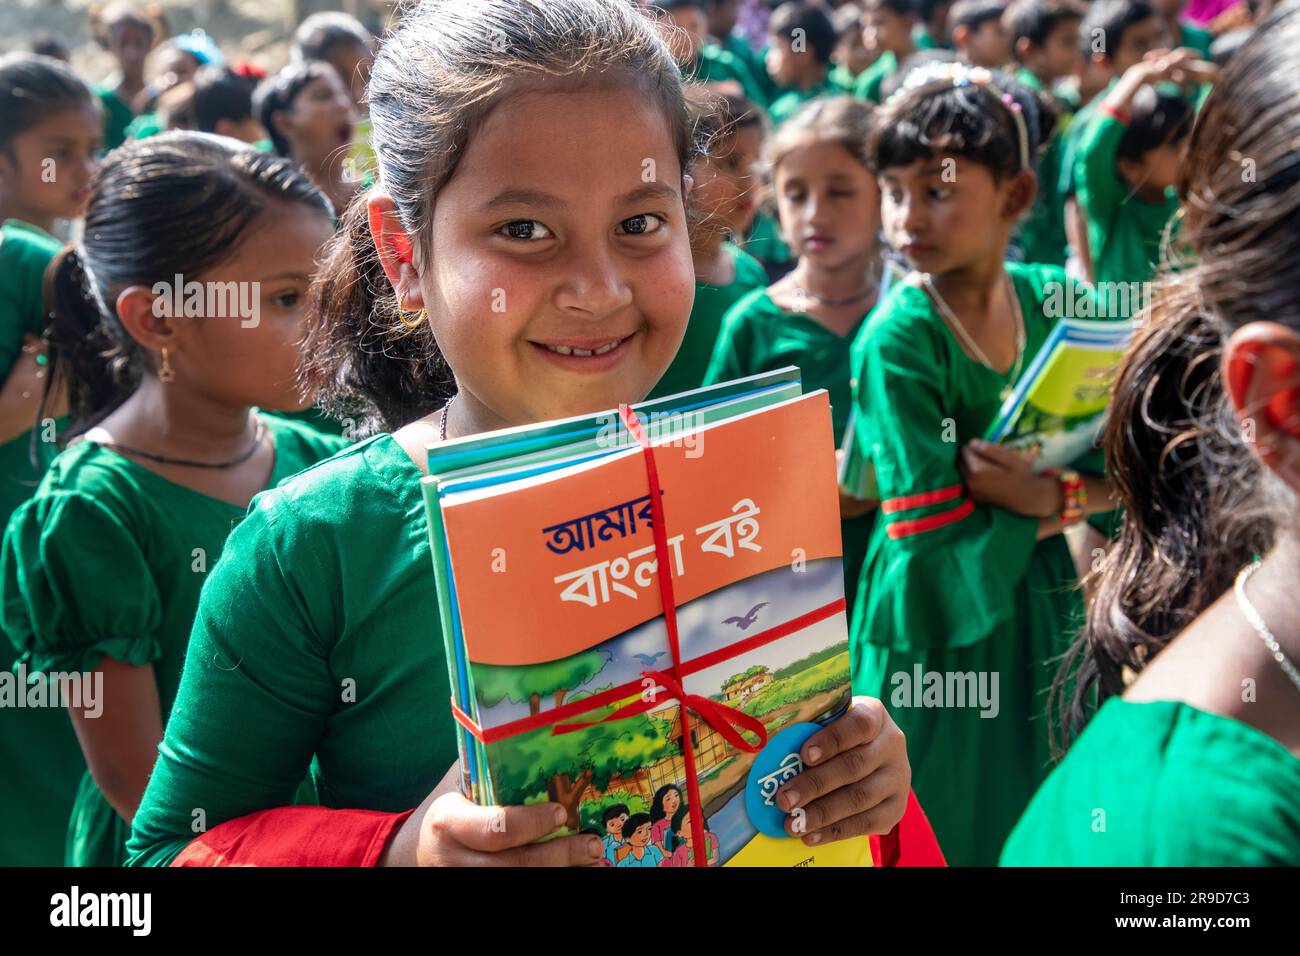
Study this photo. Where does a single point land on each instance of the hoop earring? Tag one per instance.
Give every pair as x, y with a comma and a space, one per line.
166, 373
401, 316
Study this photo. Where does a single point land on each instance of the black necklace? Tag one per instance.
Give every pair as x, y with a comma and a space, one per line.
166, 459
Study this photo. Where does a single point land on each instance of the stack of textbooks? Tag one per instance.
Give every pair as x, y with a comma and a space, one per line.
571, 658
1058, 407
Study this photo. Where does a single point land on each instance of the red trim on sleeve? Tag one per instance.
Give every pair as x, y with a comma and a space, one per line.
908, 502
1114, 112
903, 529
911, 843
295, 836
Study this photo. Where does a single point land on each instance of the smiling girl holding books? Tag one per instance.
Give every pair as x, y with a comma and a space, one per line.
967, 570
320, 620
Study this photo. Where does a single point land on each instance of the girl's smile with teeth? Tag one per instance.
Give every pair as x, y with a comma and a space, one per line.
587, 349
573, 350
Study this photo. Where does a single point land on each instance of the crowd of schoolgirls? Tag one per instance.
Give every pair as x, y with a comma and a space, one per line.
216, 515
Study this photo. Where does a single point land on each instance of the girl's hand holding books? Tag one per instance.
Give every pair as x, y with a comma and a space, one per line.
996, 475
855, 780
450, 830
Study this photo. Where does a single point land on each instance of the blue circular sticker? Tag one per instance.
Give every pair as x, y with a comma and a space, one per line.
776, 763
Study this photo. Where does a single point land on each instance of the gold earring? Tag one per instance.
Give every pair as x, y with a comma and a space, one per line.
401, 316
166, 373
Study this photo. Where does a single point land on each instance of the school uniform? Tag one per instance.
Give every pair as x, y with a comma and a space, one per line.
711, 302
1125, 233
325, 597
40, 760
1163, 783
107, 560
759, 336
951, 587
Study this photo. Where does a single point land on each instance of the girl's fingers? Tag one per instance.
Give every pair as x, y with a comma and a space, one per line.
837, 754
857, 794
492, 829
879, 819
580, 850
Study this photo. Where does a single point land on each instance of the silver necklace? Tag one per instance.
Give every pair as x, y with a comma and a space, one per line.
1251, 613
955, 324
442, 421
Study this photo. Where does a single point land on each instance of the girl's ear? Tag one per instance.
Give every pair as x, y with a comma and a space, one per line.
1021, 190
395, 249
282, 122
148, 317
1261, 377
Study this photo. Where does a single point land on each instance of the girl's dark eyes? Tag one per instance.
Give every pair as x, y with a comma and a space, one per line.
286, 300
526, 229
642, 225
531, 229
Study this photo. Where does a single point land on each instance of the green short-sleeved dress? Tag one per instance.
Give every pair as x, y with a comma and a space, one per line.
758, 336
756, 60
1163, 783
34, 804
1124, 232
711, 302
953, 595
107, 559
325, 598
766, 244
1042, 231
716, 65
25, 251
118, 115
792, 101
870, 80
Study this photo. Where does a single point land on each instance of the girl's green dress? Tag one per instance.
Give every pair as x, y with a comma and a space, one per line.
34, 802
1124, 232
107, 559
317, 635
711, 302
758, 336
792, 101
766, 244
954, 596
25, 252
1163, 783
118, 115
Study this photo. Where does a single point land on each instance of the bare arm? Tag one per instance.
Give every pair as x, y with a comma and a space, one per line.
121, 739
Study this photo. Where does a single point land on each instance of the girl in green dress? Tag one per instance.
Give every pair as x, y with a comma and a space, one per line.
316, 636
1192, 645
968, 584
46, 113
100, 571
721, 205
830, 210
128, 36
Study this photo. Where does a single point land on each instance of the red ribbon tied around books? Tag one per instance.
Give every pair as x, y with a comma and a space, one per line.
725, 720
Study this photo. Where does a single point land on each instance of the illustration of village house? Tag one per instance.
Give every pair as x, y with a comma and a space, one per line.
710, 747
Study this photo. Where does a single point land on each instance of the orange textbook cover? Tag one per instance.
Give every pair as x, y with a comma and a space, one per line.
662, 733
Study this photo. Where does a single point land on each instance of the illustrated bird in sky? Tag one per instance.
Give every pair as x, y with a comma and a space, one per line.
748, 619
648, 660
